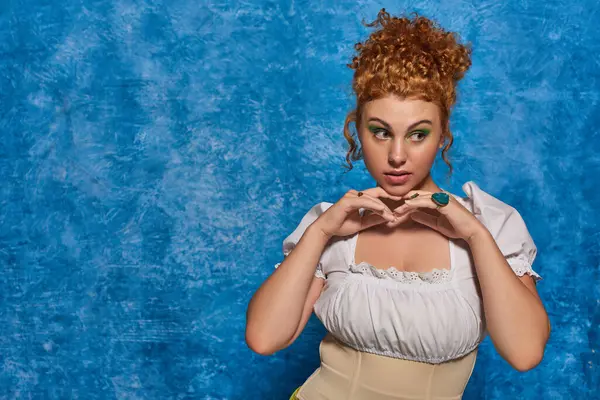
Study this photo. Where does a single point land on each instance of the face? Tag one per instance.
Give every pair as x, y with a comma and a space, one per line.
401, 134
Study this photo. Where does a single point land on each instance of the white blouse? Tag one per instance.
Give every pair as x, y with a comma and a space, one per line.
429, 317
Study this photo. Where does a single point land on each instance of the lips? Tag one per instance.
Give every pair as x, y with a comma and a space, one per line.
397, 173
397, 179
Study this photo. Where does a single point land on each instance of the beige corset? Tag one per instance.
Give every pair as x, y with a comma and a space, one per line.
349, 374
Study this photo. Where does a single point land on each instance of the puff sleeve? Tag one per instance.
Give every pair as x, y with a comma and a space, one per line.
293, 238
507, 227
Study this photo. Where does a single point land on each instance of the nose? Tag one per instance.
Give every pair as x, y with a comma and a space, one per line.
397, 153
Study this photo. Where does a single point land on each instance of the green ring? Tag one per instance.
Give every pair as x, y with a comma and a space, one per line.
440, 198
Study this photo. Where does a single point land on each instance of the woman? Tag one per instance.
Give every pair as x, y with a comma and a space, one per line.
408, 300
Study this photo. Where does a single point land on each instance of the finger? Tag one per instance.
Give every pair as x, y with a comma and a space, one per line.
372, 220
402, 218
421, 193
425, 219
386, 208
404, 208
379, 192
373, 205
416, 193
375, 219
424, 202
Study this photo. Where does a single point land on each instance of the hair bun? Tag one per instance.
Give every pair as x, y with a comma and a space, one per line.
416, 47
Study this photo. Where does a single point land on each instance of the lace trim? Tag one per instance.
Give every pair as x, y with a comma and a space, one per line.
435, 276
521, 266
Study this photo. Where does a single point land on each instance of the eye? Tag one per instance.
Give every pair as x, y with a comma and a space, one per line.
423, 135
377, 131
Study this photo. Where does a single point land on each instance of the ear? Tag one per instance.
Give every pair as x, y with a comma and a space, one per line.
441, 142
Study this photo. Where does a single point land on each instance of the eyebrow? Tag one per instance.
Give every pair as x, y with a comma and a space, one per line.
409, 128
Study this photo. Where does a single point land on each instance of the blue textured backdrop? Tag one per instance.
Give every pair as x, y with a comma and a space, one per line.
154, 154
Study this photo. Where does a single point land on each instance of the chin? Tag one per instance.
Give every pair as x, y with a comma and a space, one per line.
395, 190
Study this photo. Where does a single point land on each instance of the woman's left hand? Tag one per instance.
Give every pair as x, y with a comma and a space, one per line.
452, 220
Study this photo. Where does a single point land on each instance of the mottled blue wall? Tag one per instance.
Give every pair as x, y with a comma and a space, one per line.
155, 154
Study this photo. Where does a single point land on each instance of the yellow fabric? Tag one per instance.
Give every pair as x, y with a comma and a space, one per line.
293, 397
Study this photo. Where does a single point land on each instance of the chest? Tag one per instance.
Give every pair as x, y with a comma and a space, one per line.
416, 250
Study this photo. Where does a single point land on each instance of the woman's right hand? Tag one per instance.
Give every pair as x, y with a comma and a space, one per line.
343, 217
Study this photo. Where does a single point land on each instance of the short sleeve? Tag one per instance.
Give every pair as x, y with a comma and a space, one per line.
507, 227
293, 238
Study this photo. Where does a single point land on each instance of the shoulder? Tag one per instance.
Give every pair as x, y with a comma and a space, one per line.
506, 225
494, 213
308, 217
482, 199
315, 211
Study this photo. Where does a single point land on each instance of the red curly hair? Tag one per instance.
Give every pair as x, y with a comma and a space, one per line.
409, 58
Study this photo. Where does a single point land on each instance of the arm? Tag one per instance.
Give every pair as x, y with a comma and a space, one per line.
282, 305
515, 316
